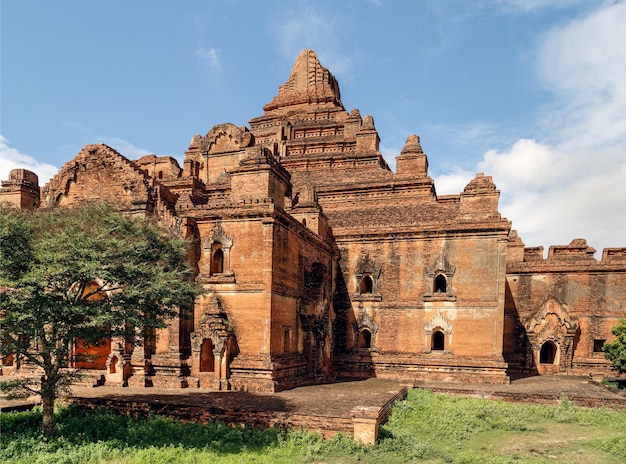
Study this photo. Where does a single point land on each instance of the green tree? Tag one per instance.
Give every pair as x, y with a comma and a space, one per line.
615, 351
87, 274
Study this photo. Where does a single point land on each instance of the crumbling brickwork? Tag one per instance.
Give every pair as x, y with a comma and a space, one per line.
318, 261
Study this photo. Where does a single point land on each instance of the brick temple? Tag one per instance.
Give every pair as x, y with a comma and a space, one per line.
320, 262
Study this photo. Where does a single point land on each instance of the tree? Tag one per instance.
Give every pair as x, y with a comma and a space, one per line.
615, 351
82, 275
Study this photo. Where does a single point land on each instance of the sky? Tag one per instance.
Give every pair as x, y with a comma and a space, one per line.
530, 92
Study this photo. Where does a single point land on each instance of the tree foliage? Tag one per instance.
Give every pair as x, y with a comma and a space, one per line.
615, 351
82, 274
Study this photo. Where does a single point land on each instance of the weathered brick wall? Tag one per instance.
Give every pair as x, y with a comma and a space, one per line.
577, 292
99, 173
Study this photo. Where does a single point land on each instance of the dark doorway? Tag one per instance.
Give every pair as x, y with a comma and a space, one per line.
547, 353
206, 356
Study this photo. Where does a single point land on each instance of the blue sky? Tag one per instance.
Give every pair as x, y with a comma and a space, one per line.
531, 92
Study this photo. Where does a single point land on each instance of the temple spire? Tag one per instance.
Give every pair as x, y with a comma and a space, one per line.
309, 84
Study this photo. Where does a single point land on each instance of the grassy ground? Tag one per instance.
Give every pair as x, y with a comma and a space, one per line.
424, 428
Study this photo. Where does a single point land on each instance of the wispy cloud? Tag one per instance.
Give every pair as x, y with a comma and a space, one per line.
211, 56
200, 22
532, 5
309, 27
124, 147
472, 133
11, 158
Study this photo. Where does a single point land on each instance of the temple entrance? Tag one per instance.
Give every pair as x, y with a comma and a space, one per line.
207, 361
213, 347
547, 353
548, 359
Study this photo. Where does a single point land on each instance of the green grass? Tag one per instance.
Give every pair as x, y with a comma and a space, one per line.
424, 428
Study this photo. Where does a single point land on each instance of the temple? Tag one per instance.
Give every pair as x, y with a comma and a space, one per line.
320, 262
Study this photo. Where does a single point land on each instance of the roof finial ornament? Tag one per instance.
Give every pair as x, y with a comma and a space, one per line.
412, 145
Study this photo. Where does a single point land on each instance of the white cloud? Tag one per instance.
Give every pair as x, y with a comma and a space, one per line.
11, 158
390, 153
584, 64
573, 184
453, 182
211, 56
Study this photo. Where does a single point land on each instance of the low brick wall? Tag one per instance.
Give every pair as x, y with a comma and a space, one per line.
586, 402
328, 426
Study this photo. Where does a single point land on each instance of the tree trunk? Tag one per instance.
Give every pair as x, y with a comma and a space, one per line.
48, 395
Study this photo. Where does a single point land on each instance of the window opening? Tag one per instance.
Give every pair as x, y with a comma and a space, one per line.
217, 262
440, 284
366, 284
365, 339
286, 340
438, 341
597, 345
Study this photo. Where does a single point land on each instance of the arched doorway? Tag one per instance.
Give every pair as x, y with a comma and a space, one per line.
207, 361
547, 354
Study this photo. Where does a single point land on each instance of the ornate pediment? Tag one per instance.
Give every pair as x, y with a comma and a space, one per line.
441, 266
226, 138
438, 321
214, 326
553, 314
365, 265
365, 321
218, 236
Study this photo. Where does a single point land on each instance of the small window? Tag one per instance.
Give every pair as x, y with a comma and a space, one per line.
597, 345
365, 339
440, 284
160, 175
304, 222
366, 284
217, 262
438, 341
286, 340
113, 365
